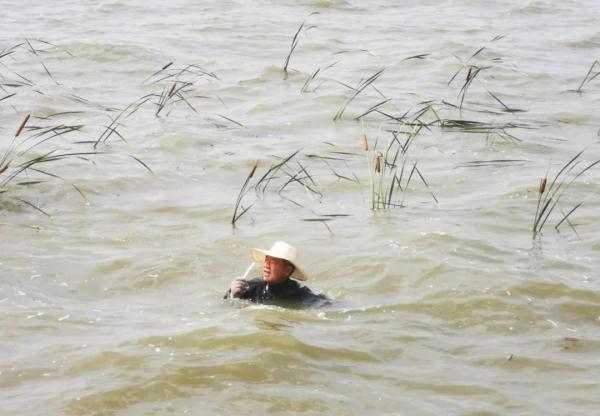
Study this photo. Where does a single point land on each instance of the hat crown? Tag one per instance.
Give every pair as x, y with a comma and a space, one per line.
283, 250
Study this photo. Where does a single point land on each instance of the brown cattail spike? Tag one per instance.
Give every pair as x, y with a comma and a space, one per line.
171, 90
542, 186
378, 163
469, 73
365, 142
22, 125
253, 170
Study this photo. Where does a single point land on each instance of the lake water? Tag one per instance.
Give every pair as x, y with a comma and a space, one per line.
112, 271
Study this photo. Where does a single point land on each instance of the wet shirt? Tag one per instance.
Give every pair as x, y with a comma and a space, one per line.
288, 293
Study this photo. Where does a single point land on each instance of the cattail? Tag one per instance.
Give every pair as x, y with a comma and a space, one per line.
253, 170
171, 90
378, 163
22, 125
542, 186
365, 142
469, 73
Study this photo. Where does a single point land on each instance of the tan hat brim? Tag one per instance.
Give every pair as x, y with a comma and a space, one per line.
258, 255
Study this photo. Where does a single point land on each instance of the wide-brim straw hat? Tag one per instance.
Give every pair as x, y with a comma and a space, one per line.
281, 250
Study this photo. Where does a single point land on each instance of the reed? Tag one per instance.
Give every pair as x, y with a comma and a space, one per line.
263, 182
116, 122
241, 194
550, 196
293, 46
363, 84
505, 107
590, 76
391, 173
278, 178
31, 153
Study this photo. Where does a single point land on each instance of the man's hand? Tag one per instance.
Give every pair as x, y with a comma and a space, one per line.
238, 287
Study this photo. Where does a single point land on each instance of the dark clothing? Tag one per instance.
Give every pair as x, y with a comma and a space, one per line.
288, 293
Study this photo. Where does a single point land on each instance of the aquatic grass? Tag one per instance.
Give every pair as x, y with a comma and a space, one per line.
590, 76
471, 74
301, 176
278, 178
373, 108
35, 52
187, 73
391, 173
363, 84
311, 78
465, 64
323, 221
88, 103
45, 134
177, 86
505, 107
8, 155
31, 151
158, 72
489, 129
492, 162
168, 93
271, 172
8, 96
237, 123
33, 206
37, 47
293, 46
10, 50
51, 156
550, 196
241, 195
129, 110
141, 162
32, 155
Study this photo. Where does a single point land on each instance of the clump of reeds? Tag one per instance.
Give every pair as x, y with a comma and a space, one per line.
178, 85
32, 151
391, 172
19, 159
279, 176
550, 196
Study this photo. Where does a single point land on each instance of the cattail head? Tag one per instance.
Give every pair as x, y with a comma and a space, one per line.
365, 142
171, 90
542, 186
469, 73
378, 163
253, 170
22, 125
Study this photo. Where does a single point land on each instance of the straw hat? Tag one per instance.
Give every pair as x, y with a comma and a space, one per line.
281, 250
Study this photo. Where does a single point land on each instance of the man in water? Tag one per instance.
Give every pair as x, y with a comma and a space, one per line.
276, 286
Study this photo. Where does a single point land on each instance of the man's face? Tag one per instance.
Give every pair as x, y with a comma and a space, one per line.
276, 270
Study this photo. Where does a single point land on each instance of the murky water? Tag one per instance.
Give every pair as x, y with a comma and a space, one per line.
111, 287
